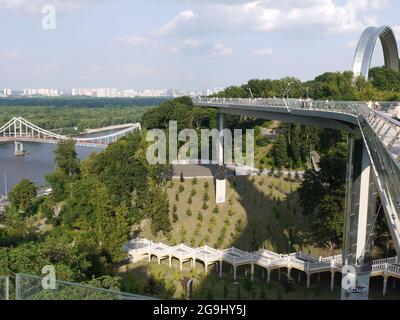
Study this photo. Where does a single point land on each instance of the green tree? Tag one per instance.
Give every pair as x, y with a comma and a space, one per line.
279, 152
23, 194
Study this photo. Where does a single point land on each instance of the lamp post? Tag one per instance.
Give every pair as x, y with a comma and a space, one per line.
387, 251
251, 93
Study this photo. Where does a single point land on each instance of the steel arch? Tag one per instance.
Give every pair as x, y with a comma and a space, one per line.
366, 46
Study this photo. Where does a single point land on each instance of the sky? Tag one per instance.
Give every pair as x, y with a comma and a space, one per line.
181, 44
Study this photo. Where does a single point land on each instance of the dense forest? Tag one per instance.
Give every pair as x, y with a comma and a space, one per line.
68, 120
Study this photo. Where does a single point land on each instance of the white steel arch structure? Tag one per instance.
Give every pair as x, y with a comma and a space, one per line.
20, 129
366, 47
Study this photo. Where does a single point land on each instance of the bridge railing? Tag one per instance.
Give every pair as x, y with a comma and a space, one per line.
29, 287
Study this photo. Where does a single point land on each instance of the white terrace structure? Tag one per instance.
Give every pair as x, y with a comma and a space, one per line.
139, 249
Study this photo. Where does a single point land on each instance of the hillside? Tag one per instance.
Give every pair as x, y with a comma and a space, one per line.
261, 210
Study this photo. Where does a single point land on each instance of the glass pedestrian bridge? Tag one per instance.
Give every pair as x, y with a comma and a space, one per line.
374, 154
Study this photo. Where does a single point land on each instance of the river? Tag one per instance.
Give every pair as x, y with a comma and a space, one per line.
35, 165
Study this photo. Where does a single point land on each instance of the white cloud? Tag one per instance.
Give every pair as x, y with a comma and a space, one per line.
318, 16
181, 18
220, 49
263, 52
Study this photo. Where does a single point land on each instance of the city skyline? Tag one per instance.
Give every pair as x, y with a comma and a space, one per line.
190, 45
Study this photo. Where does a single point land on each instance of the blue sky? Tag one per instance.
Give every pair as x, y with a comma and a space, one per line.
182, 44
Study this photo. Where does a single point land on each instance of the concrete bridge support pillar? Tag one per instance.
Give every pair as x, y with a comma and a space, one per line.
220, 184
268, 275
252, 272
288, 274
18, 148
234, 273
385, 282
360, 215
205, 268
308, 280
170, 261
220, 269
180, 265
332, 280
299, 277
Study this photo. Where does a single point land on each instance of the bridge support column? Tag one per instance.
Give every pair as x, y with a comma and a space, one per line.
18, 148
332, 280
234, 273
220, 184
288, 274
385, 282
308, 280
360, 216
268, 276
299, 277
170, 261
220, 269
252, 272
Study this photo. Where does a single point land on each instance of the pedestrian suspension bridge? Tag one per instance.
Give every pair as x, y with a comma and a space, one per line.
21, 130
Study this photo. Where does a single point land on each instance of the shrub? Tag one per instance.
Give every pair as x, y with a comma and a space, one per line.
193, 192
177, 197
216, 209
200, 216
189, 212
181, 188
175, 218
190, 201
174, 208
205, 206
194, 181
206, 185
182, 179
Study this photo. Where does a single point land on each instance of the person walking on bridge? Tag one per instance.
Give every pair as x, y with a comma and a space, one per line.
396, 112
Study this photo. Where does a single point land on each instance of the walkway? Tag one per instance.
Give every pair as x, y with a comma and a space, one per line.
139, 249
